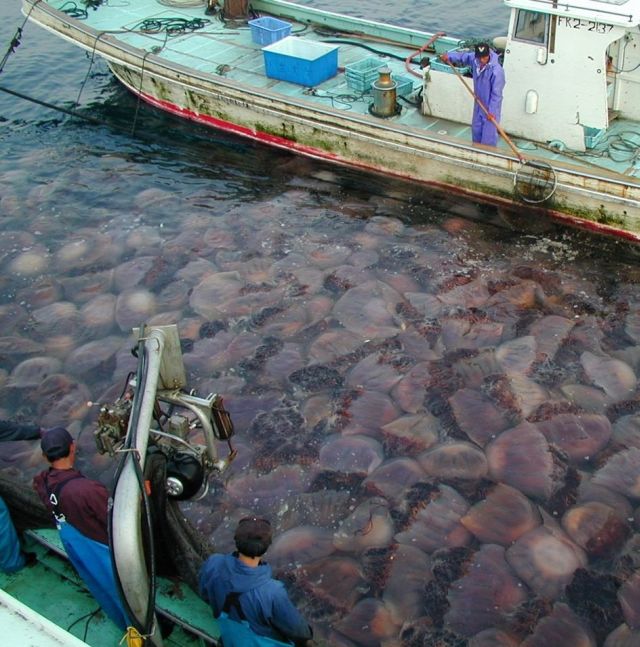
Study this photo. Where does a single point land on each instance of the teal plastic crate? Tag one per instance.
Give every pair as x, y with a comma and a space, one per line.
361, 74
441, 66
267, 30
301, 61
404, 85
593, 136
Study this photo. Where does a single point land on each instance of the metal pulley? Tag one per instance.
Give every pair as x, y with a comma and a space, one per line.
384, 95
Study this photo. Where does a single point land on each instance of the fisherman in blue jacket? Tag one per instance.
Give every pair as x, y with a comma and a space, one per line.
252, 608
488, 84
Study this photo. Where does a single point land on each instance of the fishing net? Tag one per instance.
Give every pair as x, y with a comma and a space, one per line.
535, 181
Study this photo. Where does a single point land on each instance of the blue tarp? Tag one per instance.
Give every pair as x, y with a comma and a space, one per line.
92, 560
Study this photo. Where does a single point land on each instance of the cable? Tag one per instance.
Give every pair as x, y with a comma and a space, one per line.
15, 41
130, 442
46, 104
398, 57
183, 3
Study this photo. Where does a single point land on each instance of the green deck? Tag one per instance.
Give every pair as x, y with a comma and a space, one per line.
52, 588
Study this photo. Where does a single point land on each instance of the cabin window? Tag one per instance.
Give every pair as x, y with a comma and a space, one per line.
531, 26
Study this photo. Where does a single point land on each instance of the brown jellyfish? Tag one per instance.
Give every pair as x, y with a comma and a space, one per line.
580, 436
629, 596
457, 460
502, 517
623, 636
404, 591
477, 415
351, 454
546, 561
626, 431
369, 624
615, 377
337, 580
410, 434
438, 525
393, 477
486, 595
369, 526
493, 638
299, 546
621, 473
597, 527
560, 627
550, 333
521, 458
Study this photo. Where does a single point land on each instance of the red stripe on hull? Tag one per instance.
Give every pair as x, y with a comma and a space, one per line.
309, 151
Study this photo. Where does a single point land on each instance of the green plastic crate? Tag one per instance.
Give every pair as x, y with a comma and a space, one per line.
361, 74
404, 85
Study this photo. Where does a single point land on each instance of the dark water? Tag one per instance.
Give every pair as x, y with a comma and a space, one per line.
395, 360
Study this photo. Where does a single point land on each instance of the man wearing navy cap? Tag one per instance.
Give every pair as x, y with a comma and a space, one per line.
252, 608
80, 508
488, 84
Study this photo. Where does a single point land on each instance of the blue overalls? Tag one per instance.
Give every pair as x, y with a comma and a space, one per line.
92, 560
11, 559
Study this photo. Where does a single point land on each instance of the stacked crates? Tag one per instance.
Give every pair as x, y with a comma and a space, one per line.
361, 74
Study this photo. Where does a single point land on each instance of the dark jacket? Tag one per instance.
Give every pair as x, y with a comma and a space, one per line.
83, 501
264, 601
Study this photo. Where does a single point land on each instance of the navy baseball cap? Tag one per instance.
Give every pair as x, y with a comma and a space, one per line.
482, 49
55, 443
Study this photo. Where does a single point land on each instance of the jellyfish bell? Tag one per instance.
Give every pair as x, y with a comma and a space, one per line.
561, 627
503, 516
521, 457
369, 526
596, 527
546, 561
437, 525
456, 460
486, 595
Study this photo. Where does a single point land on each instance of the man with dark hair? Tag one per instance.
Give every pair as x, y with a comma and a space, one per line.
251, 607
488, 84
80, 507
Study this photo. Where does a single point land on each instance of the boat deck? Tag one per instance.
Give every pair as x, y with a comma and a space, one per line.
226, 48
52, 589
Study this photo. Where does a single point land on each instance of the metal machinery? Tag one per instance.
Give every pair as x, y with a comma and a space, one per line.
156, 413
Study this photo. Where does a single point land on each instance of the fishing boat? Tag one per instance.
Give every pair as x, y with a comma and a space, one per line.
378, 97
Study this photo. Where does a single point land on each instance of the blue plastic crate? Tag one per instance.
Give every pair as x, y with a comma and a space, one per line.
267, 30
361, 74
404, 85
301, 61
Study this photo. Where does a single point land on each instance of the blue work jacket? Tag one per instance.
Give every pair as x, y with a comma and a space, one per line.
264, 601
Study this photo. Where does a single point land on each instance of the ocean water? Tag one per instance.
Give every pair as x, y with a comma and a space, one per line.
435, 400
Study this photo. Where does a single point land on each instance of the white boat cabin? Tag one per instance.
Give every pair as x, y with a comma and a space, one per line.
570, 70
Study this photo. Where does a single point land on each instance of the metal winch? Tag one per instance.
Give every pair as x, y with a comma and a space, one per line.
185, 427
384, 95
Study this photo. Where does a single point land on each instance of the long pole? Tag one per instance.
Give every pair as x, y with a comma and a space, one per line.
490, 117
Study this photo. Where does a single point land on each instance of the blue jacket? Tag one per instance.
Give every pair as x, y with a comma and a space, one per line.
264, 601
488, 82
11, 559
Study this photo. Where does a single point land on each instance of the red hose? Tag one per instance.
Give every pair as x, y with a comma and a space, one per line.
407, 61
